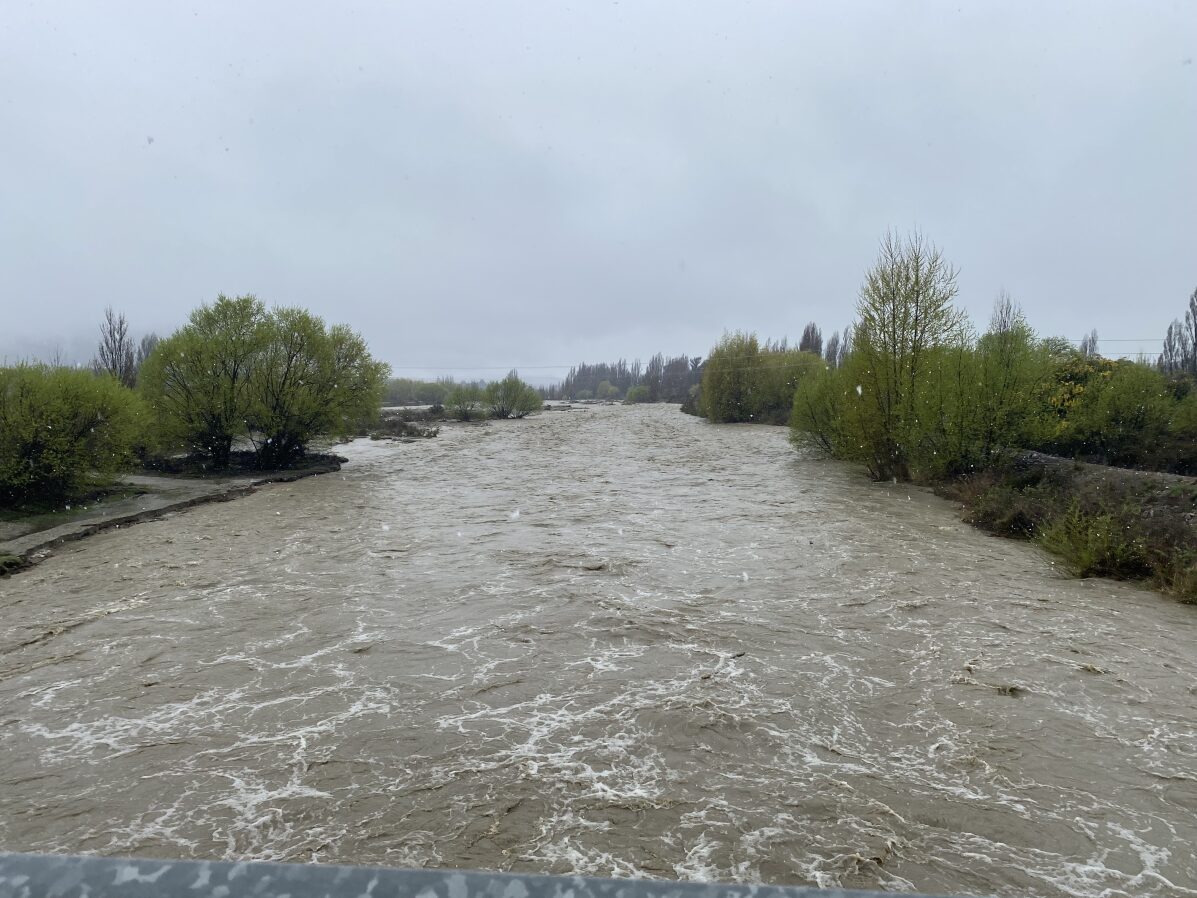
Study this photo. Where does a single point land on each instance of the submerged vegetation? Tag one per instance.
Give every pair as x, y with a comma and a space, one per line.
511, 398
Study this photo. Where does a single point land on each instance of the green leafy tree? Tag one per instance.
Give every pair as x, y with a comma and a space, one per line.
62, 430
778, 373
729, 379
822, 405
145, 349
199, 381
275, 379
1011, 365
309, 380
905, 313
744, 381
1121, 419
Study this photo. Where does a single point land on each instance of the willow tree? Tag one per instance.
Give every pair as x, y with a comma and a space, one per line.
198, 381
309, 380
905, 319
236, 372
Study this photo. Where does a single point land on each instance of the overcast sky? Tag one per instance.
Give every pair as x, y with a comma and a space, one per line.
490, 184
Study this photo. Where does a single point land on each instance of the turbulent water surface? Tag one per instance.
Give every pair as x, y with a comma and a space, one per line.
606, 641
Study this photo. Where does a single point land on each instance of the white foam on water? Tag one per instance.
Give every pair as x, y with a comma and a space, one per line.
714, 697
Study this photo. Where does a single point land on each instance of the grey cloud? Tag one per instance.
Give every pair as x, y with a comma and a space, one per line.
476, 184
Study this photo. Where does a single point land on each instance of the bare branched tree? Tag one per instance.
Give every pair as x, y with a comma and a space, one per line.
1088, 345
812, 339
845, 346
831, 353
1189, 361
1176, 349
1007, 316
144, 348
116, 352
1180, 343
57, 358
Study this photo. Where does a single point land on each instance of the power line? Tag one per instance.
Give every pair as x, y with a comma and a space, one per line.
479, 367
1100, 340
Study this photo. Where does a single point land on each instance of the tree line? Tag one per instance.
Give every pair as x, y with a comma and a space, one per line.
662, 379
409, 391
921, 396
912, 392
235, 375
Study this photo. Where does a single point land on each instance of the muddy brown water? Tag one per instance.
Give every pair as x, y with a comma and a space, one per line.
612, 642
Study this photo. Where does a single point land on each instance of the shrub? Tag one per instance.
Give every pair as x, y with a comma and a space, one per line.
1177, 574
60, 430
1107, 544
512, 398
464, 402
1006, 510
1101, 521
819, 414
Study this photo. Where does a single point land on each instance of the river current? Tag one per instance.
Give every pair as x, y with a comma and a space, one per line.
609, 641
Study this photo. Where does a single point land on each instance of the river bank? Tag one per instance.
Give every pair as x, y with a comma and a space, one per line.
135, 498
1102, 521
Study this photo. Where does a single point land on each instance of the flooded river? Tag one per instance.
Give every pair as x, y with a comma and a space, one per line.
615, 641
